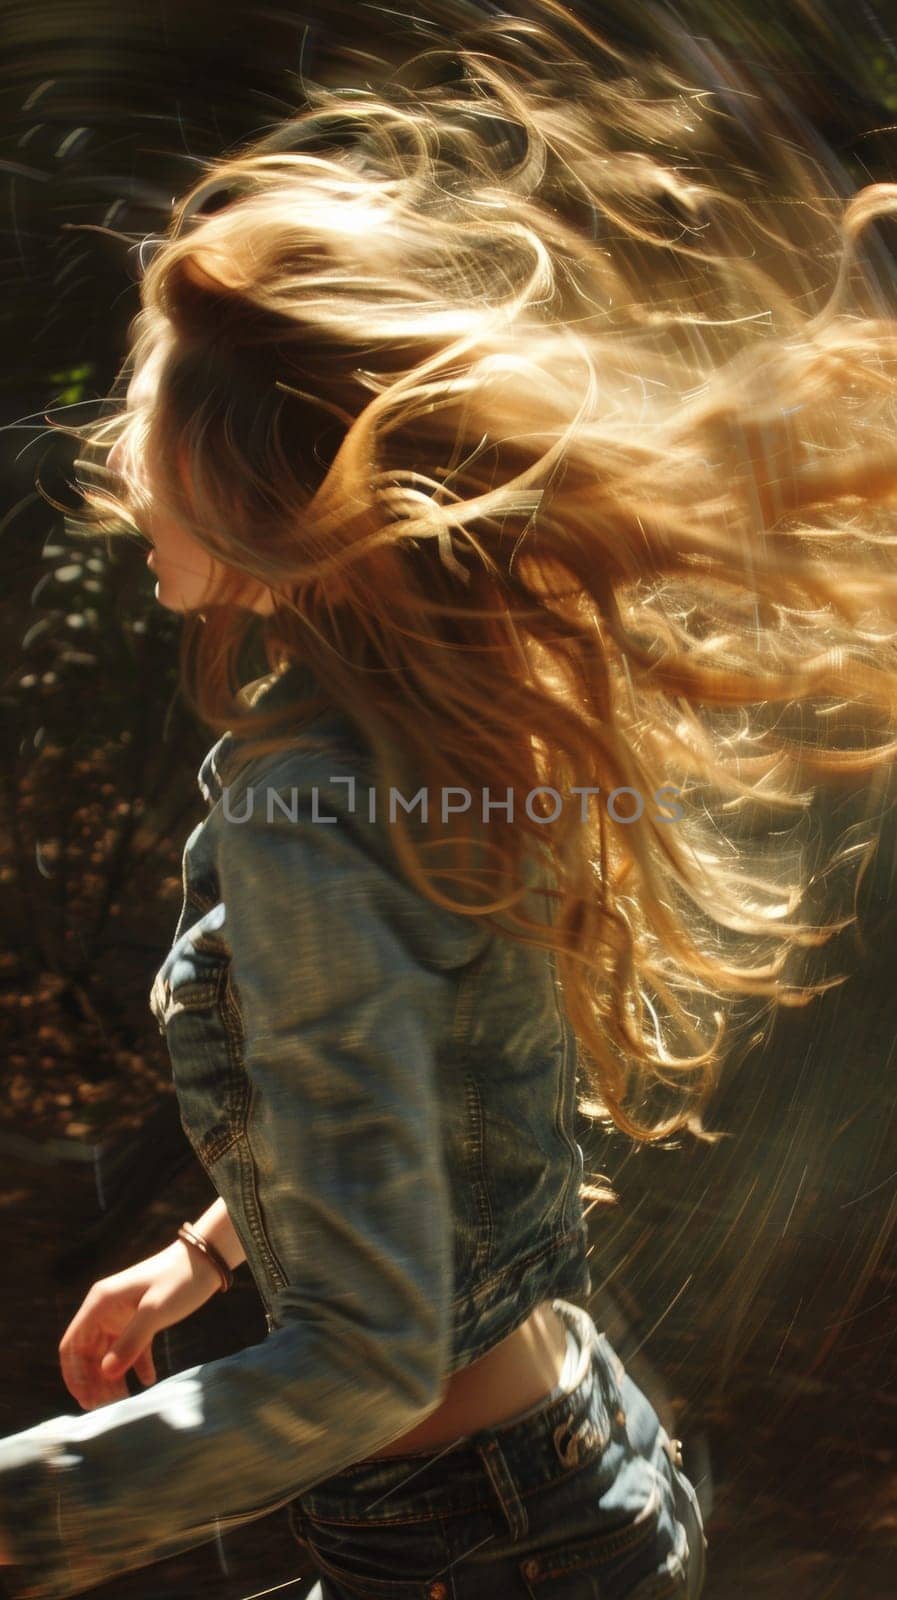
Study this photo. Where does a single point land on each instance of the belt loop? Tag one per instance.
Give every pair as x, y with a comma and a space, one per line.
610, 1373
604, 1357
493, 1460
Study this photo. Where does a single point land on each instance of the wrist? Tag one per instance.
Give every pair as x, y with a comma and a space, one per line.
216, 1226
198, 1243
202, 1272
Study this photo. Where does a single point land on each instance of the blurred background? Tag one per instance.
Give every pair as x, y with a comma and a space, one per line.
750, 1286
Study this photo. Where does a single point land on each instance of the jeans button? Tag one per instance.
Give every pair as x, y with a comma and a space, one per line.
531, 1568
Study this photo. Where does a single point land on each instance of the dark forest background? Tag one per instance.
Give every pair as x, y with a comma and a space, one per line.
750, 1286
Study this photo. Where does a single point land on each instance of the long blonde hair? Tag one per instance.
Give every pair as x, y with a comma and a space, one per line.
565, 448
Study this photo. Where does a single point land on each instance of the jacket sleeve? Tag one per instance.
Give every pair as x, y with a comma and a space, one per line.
339, 1036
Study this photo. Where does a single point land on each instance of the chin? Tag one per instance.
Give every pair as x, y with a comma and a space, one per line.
176, 600
168, 604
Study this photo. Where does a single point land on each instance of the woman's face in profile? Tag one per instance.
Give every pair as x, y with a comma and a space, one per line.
185, 572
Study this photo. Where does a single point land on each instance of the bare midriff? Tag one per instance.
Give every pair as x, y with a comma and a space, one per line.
511, 1377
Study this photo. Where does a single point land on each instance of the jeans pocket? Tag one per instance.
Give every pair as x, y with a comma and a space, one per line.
359, 1563
626, 1527
620, 1564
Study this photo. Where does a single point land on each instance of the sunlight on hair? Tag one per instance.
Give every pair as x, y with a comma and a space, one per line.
556, 409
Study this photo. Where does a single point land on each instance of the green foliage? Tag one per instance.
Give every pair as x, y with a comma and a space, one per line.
75, 382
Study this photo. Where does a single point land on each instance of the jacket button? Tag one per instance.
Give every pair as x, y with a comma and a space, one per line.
437, 1591
531, 1568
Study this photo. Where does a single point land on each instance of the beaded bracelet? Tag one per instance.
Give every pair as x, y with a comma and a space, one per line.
190, 1236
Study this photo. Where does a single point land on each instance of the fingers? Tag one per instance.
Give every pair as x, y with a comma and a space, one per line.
103, 1394
133, 1348
145, 1367
85, 1380
94, 1361
77, 1363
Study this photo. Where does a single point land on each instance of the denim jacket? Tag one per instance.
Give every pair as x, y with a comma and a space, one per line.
383, 1092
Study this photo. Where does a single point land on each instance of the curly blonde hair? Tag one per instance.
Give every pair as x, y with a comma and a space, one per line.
564, 445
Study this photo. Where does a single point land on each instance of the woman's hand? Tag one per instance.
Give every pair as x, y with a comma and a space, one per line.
114, 1327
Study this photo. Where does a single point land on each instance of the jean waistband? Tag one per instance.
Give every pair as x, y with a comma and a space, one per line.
535, 1446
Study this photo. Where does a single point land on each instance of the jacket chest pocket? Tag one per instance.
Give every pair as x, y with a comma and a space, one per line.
193, 1003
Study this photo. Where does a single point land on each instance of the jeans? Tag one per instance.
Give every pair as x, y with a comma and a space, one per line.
577, 1498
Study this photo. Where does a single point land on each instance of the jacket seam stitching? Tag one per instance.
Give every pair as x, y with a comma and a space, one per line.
476, 1153
555, 1243
570, 1187
248, 1165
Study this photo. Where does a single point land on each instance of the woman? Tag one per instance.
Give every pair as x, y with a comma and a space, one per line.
514, 444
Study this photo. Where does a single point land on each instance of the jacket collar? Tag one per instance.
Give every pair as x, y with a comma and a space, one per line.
273, 688
209, 775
